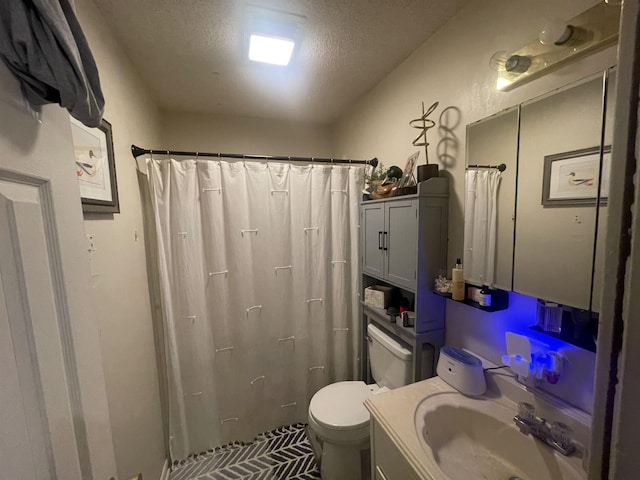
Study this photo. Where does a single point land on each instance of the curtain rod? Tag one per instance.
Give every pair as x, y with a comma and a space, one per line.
137, 151
502, 167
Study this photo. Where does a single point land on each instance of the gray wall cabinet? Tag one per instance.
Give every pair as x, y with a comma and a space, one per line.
390, 241
373, 228
404, 245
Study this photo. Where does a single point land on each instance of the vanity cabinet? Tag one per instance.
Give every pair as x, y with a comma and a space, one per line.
387, 463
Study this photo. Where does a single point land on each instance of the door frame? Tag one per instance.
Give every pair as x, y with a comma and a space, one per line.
616, 425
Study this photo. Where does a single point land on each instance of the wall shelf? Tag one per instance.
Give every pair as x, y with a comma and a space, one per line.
579, 328
499, 299
381, 317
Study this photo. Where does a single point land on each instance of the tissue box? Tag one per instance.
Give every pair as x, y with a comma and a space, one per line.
377, 296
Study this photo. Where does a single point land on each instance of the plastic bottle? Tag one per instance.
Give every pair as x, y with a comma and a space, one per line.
457, 277
485, 297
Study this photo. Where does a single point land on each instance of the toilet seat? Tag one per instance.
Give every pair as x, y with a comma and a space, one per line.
337, 411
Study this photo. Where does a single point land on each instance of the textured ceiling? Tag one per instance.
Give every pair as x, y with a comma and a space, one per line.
192, 55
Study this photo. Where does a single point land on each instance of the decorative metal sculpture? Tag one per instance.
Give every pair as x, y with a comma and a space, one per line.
424, 124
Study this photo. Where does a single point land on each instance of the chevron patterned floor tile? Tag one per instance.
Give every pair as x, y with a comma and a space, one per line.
281, 454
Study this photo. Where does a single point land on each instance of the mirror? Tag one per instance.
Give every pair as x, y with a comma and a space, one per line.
491, 142
601, 233
551, 146
558, 166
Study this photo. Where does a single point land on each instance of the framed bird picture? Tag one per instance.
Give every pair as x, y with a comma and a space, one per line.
95, 167
571, 178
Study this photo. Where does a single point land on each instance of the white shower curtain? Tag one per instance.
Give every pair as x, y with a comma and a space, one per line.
480, 215
259, 280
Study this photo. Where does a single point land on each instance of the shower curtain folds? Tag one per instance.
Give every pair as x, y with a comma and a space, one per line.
259, 278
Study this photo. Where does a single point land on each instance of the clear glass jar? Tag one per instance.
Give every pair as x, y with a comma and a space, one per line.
549, 316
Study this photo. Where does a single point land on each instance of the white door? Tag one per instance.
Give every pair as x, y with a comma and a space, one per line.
53, 412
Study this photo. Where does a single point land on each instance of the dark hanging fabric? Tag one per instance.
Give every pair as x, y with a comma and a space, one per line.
43, 45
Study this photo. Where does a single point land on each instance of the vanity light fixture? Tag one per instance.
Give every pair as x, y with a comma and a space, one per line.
272, 50
559, 33
556, 33
558, 43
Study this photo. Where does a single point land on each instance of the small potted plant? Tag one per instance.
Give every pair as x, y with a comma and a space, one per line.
373, 177
382, 183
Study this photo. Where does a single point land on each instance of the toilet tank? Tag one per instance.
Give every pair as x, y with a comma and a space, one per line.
390, 362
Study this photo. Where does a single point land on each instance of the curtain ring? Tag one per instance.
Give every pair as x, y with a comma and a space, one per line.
197, 155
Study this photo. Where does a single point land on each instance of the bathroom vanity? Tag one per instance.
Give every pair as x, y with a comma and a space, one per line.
428, 430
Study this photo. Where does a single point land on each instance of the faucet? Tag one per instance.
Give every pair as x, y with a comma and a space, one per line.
557, 435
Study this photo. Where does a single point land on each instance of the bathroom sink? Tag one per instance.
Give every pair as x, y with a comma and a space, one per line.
475, 438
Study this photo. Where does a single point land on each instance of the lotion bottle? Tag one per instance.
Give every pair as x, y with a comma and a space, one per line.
485, 297
457, 277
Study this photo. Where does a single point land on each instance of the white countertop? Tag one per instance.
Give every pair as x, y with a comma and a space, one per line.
394, 412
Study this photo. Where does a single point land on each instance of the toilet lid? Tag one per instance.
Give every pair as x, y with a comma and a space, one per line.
340, 405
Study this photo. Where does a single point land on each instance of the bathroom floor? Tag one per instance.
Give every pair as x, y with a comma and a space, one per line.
281, 454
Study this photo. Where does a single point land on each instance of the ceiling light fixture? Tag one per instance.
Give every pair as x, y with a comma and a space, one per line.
272, 36
270, 49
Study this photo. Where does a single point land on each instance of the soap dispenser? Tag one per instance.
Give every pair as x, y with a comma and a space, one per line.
457, 277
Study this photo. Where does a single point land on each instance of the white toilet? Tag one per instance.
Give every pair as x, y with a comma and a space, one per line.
337, 414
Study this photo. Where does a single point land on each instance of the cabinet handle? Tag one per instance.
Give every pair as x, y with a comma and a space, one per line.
384, 243
380, 240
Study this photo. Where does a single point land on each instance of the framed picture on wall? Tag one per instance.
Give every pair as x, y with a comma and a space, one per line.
95, 167
571, 178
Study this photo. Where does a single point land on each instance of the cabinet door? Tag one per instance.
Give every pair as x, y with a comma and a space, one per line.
388, 462
401, 242
555, 231
372, 239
